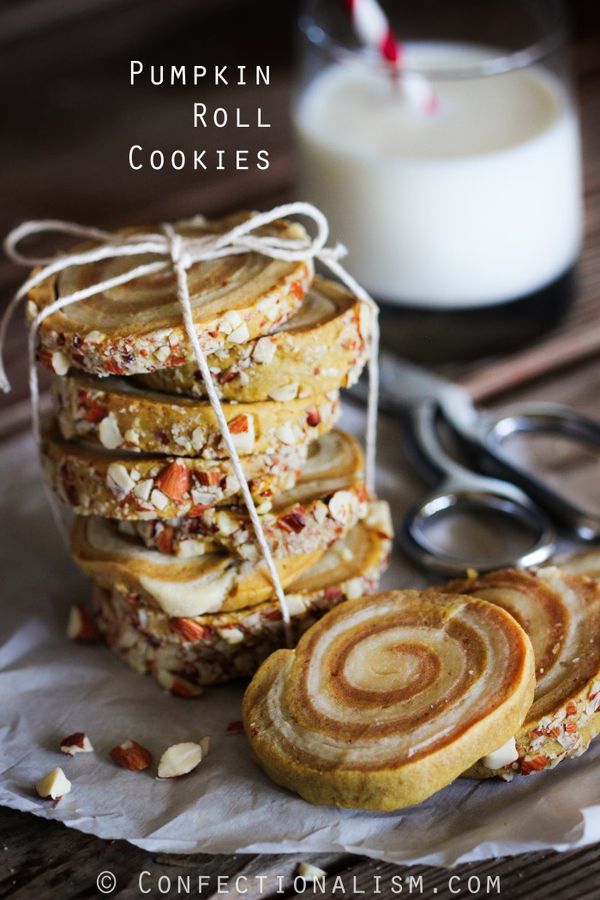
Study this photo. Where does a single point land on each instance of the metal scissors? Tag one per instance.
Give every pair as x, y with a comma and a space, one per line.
500, 487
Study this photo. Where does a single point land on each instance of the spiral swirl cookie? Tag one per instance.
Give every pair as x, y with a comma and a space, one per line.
137, 326
204, 584
183, 653
561, 614
114, 414
322, 348
586, 563
327, 501
389, 698
120, 485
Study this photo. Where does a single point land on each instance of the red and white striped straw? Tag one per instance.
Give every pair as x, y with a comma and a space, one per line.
374, 31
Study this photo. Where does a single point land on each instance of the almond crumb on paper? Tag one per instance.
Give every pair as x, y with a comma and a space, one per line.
131, 755
309, 872
80, 626
78, 742
54, 785
236, 727
180, 759
177, 685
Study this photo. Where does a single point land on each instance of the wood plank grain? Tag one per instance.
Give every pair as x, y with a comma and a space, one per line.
43, 859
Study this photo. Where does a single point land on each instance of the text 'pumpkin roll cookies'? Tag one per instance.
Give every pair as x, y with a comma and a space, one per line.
322, 348
121, 485
137, 326
188, 587
389, 698
561, 614
326, 502
114, 414
210, 649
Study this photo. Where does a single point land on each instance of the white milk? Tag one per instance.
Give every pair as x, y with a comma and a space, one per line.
476, 204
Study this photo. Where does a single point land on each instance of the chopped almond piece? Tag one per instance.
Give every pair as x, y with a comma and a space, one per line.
534, 765
80, 626
239, 425
174, 480
292, 522
95, 412
76, 743
209, 479
131, 755
236, 727
178, 685
188, 629
180, 759
164, 540
243, 433
54, 785
309, 872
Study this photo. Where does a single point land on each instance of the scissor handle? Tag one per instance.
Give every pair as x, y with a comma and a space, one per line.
549, 418
459, 488
542, 417
435, 505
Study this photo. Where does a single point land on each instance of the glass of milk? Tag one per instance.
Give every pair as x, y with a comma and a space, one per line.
463, 221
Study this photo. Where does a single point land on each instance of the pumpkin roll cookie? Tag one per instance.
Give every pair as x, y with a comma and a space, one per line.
185, 652
584, 563
389, 698
121, 485
561, 614
322, 348
137, 327
114, 414
188, 587
327, 501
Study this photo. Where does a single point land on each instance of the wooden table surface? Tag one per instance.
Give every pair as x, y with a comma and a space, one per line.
41, 859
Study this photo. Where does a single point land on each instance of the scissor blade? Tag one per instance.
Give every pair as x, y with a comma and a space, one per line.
403, 385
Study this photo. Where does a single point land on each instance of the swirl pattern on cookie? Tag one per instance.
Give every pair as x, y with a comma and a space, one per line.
561, 614
585, 563
137, 327
184, 653
188, 587
386, 698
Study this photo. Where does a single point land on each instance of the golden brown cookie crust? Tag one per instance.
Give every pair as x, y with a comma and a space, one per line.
561, 614
326, 502
184, 653
114, 414
94, 481
206, 584
137, 327
367, 713
322, 348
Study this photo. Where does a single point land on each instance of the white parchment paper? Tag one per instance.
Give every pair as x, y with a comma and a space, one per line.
50, 687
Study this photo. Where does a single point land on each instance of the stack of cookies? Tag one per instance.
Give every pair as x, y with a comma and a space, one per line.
180, 586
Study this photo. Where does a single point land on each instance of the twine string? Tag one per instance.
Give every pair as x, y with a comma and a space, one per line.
183, 294
180, 252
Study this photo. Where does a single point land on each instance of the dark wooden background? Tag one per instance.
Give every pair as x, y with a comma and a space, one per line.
68, 119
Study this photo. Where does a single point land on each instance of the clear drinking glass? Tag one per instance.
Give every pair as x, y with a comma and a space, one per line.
456, 183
